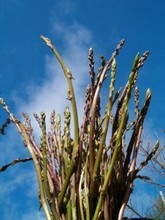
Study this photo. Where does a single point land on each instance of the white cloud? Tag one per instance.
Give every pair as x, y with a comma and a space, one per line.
53, 93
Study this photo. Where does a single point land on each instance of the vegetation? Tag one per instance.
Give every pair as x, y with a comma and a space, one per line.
90, 174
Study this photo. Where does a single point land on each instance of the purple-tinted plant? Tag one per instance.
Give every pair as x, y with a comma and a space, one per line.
90, 175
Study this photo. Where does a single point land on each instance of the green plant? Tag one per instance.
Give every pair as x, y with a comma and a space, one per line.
90, 175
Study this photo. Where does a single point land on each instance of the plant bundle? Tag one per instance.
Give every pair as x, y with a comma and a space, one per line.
88, 174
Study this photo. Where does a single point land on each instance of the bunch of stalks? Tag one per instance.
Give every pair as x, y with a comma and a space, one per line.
90, 175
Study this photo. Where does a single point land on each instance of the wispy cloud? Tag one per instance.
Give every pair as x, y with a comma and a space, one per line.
53, 92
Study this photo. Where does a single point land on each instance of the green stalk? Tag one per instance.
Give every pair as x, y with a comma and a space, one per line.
69, 173
60, 149
104, 133
45, 171
44, 155
105, 130
39, 175
73, 198
69, 211
118, 137
38, 170
114, 157
22, 131
68, 76
92, 157
93, 107
80, 195
86, 190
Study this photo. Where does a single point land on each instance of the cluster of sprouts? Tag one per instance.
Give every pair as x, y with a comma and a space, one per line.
90, 175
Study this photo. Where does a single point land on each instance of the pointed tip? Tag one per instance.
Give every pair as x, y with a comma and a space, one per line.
148, 93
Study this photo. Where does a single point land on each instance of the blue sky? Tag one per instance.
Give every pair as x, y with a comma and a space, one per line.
31, 80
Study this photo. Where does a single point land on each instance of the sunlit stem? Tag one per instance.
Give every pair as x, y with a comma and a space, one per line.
68, 76
107, 118
94, 103
80, 195
118, 137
